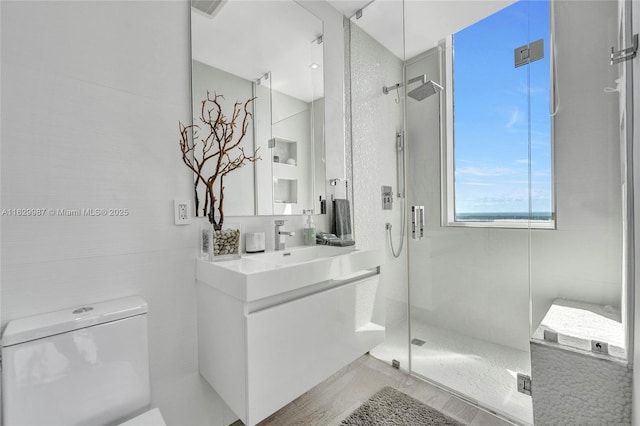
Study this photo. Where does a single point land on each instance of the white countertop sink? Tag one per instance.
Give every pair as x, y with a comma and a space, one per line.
256, 276
299, 255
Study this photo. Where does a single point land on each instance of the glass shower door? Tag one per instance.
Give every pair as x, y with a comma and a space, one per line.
468, 165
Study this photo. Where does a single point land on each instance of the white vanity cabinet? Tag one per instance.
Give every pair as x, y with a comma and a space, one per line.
261, 354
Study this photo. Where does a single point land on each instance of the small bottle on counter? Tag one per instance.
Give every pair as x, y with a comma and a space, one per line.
309, 231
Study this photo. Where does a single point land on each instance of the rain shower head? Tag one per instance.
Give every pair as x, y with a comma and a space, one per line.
425, 90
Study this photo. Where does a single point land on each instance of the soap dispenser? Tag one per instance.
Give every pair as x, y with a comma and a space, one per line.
309, 231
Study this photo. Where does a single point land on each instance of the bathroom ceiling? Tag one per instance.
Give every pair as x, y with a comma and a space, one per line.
427, 21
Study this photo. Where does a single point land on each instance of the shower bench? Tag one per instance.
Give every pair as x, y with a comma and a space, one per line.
579, 372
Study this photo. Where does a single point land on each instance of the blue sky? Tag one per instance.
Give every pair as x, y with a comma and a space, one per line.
494, 103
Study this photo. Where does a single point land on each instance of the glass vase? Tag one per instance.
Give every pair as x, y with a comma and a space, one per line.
226, 242
206, 239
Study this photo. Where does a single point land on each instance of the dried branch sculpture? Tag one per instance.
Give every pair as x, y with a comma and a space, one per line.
219, 145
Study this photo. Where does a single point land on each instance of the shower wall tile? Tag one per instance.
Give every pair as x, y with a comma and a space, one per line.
376, 118
582, 259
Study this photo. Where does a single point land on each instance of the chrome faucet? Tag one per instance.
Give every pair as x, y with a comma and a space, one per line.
280, 243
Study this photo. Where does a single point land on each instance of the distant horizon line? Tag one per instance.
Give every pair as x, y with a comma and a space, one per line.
515, 215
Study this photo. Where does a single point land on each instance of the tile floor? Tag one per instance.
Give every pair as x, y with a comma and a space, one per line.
335, 398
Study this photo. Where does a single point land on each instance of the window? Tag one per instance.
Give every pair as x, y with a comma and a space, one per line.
498, 149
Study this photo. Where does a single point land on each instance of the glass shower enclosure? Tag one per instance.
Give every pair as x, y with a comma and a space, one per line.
517, 167
470, 149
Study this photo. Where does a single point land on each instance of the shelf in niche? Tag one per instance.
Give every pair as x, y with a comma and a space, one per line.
284, 171
284, 150
285, 191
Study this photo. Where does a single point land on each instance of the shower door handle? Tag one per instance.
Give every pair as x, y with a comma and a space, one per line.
417, 222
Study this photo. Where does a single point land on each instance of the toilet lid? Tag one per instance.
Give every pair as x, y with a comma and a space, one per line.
150, 418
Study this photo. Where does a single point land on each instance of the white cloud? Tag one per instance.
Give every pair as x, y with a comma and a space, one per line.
516, 117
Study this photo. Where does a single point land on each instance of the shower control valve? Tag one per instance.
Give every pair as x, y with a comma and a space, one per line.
387, 198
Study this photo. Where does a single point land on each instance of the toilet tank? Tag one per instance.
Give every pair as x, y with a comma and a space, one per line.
80, 366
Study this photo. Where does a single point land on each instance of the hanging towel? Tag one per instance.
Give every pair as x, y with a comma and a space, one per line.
342, 218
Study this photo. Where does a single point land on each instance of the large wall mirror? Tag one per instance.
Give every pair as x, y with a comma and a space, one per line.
271, 51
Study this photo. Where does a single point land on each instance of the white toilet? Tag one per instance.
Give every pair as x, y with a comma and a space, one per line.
81, 366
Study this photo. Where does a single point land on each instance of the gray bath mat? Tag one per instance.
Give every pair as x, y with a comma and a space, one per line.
392, 407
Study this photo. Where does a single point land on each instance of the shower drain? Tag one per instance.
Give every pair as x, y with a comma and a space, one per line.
417, 342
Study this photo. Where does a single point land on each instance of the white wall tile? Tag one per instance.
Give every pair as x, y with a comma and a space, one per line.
104, 44
93, 92
582, 259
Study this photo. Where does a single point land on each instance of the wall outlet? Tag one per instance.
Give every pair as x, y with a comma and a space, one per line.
181, 212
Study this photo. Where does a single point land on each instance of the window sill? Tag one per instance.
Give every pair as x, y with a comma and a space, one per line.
508, 224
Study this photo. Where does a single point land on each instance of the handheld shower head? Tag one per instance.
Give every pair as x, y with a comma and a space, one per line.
425, 90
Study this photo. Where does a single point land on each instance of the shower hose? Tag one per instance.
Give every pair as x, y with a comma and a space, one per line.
388, 227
